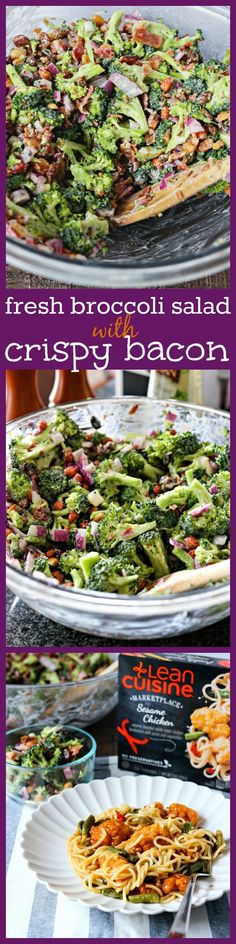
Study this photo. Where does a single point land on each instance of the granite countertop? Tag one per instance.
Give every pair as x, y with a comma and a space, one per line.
27, 628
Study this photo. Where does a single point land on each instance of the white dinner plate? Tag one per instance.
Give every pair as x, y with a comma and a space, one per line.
44, 841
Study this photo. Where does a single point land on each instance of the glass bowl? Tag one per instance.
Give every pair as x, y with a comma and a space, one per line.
83, 702
105, 614
188, 242
25, 783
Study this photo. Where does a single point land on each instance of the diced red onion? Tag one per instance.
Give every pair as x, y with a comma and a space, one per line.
67, 104
214, 489
68, 773
60, 534
80, 539
198, 512
170, 416
20, 196
29, 563
52, 68
55, 244
220, 540
117, 464
163, 184
81, 118
57, 96
27, 154
41, 530
125, 84
36, 498
105, 83
196, 563
127, 532
177, 543
135, 16
193, 125
23, 544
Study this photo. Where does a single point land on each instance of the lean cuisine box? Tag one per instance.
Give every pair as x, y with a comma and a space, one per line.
173, 717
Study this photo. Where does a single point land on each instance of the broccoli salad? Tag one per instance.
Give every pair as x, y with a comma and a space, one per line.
88, 511
42, 763
50, 668
97, 110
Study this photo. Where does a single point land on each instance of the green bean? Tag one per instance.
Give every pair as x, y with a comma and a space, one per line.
80, 824
87, 825
187, 828
111, 893
122, 852
219, 838
193, 736
202, 865
150, 898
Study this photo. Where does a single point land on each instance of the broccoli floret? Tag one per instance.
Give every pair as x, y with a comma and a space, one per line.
38, 454
75, 198
98, 105
221, 481
195, 85
133, 462
154, 549
52, 482
30, 98
121, 105
103, 479
185, 446
220, 100
16, 182
13, 548
111, 576
222, 457
127, 495
18, 484
114, 528
112, 35
82, 235
95, 203
209, 553
41, 565
210, 523
159, 449
111, 132
70, 560
166, 519
161, 130
77, 501
68, 428
178, 496
70, 86
200, 469
154, 96
18, 518
128, 552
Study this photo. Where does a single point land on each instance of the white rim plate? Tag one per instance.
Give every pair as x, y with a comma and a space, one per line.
45, 836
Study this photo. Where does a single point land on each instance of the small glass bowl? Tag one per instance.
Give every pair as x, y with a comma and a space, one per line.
37, 784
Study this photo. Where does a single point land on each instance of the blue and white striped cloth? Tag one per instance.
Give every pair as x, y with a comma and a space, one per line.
34, 912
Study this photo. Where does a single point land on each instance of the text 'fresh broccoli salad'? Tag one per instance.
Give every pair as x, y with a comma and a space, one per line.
42, 763
97, 110
91, 512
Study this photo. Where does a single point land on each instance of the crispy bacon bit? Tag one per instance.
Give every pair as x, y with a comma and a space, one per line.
141, 35
78, 51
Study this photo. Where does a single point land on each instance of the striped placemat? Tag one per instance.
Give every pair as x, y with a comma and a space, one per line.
34, 912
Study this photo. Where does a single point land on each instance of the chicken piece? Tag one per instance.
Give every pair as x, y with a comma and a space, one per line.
175, 883
115, 832
221, 748
178, 809
211, 721
143, 837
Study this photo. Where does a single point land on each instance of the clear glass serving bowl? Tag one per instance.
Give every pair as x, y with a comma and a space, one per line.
126, 617
81, 703
188, 242
25, 783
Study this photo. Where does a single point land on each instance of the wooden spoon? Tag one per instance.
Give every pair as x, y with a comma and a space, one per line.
184, 580
151, 201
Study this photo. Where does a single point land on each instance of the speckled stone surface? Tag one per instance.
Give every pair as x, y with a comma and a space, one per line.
27, 628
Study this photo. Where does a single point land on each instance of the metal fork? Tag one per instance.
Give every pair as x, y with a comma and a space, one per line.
180, 925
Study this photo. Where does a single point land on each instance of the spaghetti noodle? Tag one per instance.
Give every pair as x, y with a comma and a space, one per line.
208, 738
145, 854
